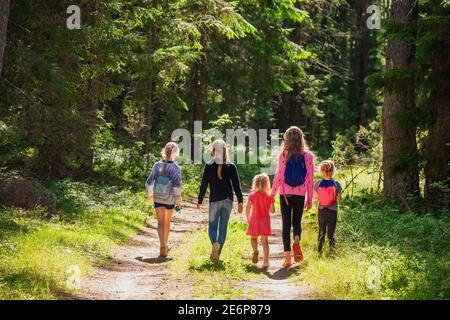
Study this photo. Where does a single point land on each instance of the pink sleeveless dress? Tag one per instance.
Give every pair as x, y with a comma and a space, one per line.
259, 224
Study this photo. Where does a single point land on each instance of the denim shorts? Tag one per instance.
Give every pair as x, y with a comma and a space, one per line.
167, 206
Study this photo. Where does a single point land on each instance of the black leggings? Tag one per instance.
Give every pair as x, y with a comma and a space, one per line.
291, 215
327, 224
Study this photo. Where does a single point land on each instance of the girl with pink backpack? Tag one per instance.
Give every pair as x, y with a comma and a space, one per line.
294, 179
327, 191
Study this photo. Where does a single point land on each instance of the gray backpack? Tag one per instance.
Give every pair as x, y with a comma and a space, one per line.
162, 186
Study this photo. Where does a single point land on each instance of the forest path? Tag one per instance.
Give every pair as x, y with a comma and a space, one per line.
276, 283
136, 272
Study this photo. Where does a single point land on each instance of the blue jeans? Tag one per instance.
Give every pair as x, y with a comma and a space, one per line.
219, 214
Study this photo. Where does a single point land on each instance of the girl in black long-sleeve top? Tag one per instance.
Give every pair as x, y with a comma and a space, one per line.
222, 178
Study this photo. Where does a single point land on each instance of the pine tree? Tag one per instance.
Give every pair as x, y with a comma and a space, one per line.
4, 15
434, 99
400, 165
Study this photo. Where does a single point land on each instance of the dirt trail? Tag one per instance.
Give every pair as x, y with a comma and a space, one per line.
276, 285
136, 272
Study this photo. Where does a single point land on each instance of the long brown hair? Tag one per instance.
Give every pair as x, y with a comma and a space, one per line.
294, 141
220, 147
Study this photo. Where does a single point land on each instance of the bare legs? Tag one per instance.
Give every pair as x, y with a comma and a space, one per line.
265, 245
254, 242
167, 218
163, 216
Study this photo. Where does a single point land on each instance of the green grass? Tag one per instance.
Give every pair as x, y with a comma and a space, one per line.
38, 256
383, 253
409, 250
212, 281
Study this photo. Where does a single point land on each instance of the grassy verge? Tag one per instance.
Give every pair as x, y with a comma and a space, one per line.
382, 252
211, 281
38, 256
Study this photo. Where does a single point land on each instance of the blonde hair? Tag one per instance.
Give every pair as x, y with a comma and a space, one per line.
170, 151
327, 166
261, 183
294, 141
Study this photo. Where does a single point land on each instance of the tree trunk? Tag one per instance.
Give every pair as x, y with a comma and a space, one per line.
359, 60
87, 161
199, 85
4, 15
153, 44
399, 137
437, 148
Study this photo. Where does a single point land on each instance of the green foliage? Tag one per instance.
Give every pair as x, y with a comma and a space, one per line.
105, 97
37, 255
100, 102
359, 145
409, 251
191, 175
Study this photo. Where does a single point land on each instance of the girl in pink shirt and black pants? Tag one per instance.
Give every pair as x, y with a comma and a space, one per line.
293, 200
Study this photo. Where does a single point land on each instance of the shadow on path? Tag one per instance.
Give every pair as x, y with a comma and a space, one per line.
280, 274
153, 260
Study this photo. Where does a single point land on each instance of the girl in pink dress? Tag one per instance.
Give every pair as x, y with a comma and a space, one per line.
259, 205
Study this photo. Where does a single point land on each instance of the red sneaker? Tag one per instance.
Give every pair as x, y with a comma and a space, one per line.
298, 254
287, 264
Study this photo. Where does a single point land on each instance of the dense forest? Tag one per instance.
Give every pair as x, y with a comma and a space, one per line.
367, 82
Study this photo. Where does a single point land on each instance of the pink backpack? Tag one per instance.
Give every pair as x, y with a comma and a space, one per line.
327, 193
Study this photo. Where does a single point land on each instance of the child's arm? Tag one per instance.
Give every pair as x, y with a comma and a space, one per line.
339, 192
316, 187
279, 173
248, 210
272, 207
309, 180
150, 182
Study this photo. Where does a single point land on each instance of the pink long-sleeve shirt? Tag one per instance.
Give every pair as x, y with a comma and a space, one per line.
305, 189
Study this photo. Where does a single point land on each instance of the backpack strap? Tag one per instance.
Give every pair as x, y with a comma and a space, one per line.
284, 194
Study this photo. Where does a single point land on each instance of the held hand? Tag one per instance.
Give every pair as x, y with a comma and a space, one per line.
240, 207
307, 206
178, 205
149, 196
